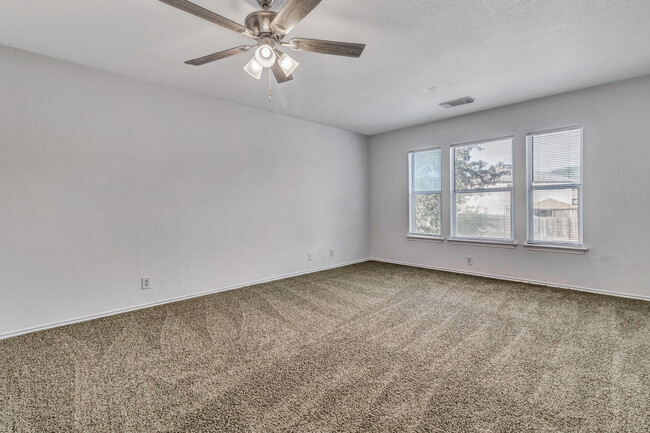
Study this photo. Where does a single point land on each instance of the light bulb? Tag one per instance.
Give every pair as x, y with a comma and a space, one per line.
254, 69
288, 64
265, 56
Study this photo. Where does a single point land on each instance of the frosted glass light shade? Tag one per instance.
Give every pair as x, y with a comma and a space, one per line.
265, 56
254, 69
288, 64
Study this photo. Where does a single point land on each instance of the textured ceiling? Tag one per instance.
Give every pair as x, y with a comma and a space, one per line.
498, 51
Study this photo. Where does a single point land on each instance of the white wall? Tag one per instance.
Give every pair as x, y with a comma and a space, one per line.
616, 190
104, 179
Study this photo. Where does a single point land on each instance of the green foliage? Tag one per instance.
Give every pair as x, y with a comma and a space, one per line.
470, 173
477, 173
427, 213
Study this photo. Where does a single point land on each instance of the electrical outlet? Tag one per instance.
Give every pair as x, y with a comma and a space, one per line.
331, 253
310, 257
145, 283
470, 260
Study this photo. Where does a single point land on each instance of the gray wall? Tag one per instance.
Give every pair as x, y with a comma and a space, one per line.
105, 179
616, 190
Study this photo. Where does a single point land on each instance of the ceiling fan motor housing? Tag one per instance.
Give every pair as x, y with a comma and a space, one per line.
259, 23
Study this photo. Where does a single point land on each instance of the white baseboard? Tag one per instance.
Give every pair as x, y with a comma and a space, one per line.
519, 280
170, 300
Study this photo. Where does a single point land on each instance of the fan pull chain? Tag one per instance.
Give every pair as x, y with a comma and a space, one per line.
270, 89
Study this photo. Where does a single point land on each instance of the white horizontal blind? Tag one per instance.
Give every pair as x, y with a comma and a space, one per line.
482, 184
555, 186
424, 188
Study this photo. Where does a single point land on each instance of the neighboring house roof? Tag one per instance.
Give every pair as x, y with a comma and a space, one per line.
553, 204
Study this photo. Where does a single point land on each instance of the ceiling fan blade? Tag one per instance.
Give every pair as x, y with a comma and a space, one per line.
347, 49
291, 14
218, 56
200, 12
279, 74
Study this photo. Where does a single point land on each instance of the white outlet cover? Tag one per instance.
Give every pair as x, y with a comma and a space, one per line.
145, 283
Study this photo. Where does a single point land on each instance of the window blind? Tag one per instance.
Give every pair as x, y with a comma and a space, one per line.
555, 187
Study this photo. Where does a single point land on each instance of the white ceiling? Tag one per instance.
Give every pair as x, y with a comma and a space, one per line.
498, 51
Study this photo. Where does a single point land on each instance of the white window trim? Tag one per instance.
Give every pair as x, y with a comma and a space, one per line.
553, 245
556, 248
411, 231
425, 238
482, 242
452, 205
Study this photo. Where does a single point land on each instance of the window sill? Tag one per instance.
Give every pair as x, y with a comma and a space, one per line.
556, 248
483, 243
425, 238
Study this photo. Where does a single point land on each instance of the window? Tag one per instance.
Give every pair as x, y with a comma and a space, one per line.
555, 186
424, 189
482, 190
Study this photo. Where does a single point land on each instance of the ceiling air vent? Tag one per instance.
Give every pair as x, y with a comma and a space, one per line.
457, 102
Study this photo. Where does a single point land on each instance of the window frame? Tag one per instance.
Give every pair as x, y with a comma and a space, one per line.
452, 160
530, 188
411, 184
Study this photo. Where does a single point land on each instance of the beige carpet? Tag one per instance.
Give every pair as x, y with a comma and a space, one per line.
365, 348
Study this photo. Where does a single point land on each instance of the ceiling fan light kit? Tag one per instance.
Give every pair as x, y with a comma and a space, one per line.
269, 28
288, 64
265, 55
254, 69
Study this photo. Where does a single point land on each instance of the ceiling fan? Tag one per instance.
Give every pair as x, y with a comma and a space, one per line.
269, 28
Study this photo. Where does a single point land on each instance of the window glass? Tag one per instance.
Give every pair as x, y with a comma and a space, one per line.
424, 197
482, 190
